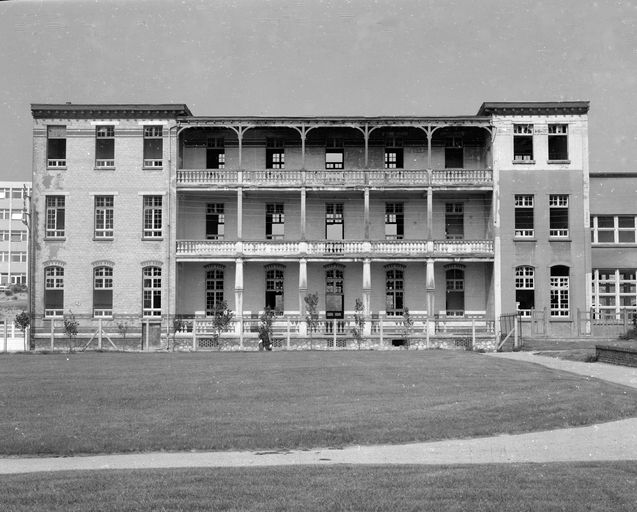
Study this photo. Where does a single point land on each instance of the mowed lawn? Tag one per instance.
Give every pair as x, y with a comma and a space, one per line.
110, 403
563, 487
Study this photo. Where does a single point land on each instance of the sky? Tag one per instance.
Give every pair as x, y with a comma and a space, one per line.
313, 57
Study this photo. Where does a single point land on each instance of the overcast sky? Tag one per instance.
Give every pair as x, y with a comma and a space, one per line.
386, 57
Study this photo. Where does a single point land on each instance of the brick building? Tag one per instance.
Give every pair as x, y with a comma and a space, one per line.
149, 211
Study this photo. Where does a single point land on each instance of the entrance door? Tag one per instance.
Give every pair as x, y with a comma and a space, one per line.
151, 336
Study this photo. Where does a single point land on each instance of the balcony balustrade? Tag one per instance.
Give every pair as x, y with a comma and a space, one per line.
274, 178
196, 249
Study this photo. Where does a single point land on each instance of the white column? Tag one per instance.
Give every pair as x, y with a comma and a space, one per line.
239, 213
367, 295
431, 295
303, 210
238, 296
430, 209
366, 214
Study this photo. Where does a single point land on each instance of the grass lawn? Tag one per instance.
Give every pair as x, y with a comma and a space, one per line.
105, 402
564, 487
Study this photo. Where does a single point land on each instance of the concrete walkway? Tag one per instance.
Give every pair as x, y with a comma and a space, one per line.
609, 372
615, 440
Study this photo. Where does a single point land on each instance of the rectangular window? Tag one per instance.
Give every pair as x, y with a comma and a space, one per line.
454, 221
103, 292
558, 216
4, 256
274, 221
614, 290
524, 216
17, 236
19, 257
151, 290
16, 214
5, 214
394, 221
613, 229
56, 146
215, 153
153, 146
5, 235
559, 289
334, 157
55, 206
104, 215
523, 142
334, 221
215, 221
454, 153
105, 147
5, 193
16, 193
274, 154
525, 289
53, 291
18, 279
558, 142
152, 216
394, 153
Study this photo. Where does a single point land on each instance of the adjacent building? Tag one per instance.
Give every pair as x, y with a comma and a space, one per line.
146, 211
13, 232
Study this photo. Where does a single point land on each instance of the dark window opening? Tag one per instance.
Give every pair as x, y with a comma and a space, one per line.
56, 146
394, 221
334, 221
454, 221
522, 142
274, 154
105, 146
454, 154
274, 290
215, 153
558, 142
215, 221
153, 146
454, 292
334, 307
214, 290
274, 221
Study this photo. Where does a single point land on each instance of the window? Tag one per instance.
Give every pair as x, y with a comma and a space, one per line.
17, 236
274, 288
334, 291
56, 146
454, 221
4, 256
523, 142
5, 214
614, 290
274, 154
18, 279
334, 158
214, 288
102, 291
558, 216
55, 216
274, 221
394, 221
394, 153
454, 276
4, 235
153, 146
19, 256
334, 221
53, 291
16, 193
152, 217
16, 214
613, 229
104, 217
394, 290
525, 289
215, 153
5, 193
105, 147
558, 142
524, 216
454, 153
559, 283
151, 291
215, 221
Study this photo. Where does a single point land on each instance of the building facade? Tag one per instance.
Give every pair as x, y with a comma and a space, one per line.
151, 212
13, 232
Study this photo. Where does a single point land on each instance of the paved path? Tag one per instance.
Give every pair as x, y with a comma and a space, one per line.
615, 440
612, 373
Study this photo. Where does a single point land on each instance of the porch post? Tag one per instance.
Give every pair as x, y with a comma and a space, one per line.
366, 214
303, 210
238, 297
367, 296
431, 295
430, 209
302, 294
239, 213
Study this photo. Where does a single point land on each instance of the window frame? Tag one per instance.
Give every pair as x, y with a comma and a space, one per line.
274, 153
558, 203
559, 287
523, 136
336, 147
55, 217
274, 216
334, 288
523, 204
151, 135
104, 217
103, 291
335, 217
395, 216
215, 282
616, 229
215, 218
104, 132
53, 281
454, 216
151, 291
394, 291
275, 288
153, 217
524, 282
555, 136
55, 162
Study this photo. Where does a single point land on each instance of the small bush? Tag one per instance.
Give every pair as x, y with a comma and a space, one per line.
8, 292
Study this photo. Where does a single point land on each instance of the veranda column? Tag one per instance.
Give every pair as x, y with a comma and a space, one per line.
239, 213
238, 297
367, 295
431, 295
430, 209
302, 293
366, 215
303, 209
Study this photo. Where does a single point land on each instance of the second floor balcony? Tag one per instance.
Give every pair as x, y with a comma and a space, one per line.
197, 250
355, 178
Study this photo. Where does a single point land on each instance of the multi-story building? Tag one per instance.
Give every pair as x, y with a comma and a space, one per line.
147, 210
13, 232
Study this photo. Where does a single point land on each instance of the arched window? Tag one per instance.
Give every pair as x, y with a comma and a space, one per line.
559, 282
454, 276
274, 285
394, 290
151, 291
214, 287
53, 291
102, 291
525, 289
334, 303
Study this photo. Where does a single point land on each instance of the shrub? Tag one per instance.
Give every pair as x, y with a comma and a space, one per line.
265, 329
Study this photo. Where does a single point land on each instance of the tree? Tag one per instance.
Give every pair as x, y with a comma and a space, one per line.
221, 320
311, 315
122, 327
265, 329
70, 328
23, 320
359, 322
408, 325
178, 325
